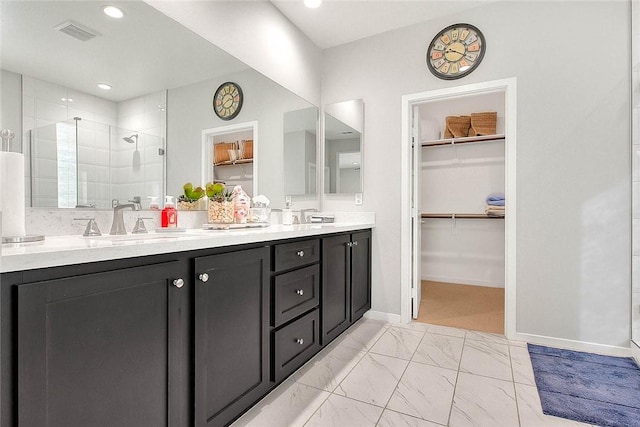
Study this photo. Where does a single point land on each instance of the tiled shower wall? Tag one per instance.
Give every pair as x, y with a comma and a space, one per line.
108, 167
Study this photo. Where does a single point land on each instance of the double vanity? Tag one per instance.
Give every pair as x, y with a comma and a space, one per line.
171, 329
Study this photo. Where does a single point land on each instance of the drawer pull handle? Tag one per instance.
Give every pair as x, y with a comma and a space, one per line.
204, 277
300, 253
300, 292
299, 341
178, 283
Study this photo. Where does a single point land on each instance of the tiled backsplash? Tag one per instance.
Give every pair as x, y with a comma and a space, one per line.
60, 222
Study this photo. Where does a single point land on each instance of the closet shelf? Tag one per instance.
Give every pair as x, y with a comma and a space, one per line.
463, 140
459, 216
235, 162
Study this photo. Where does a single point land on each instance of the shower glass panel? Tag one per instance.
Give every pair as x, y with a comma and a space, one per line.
83, 163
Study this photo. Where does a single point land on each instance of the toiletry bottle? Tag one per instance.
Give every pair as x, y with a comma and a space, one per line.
169, 214
287, 214
153, 203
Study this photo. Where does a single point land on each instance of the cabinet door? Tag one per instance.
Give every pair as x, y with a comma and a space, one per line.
94, 350
231, 334
336, 295
360, 274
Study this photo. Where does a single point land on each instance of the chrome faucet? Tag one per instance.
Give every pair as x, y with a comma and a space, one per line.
117, 227
303, 216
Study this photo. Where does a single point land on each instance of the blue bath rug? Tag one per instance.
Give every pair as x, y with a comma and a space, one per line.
586, 387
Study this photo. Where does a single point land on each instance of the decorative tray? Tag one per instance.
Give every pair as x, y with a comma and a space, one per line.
220, 226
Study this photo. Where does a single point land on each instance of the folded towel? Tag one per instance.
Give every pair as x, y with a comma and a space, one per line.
495, 199
492, 210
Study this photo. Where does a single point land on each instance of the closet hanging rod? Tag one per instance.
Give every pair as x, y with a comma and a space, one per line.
463, 140
459, 216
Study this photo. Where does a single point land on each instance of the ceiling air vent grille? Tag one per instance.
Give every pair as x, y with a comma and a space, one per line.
77, 31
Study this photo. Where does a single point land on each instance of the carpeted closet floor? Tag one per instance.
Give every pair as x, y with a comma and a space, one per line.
478, 308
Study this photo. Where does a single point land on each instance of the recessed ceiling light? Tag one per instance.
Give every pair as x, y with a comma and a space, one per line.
312, 4
113, 12
104, 86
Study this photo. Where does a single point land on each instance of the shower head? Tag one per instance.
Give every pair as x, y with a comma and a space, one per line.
131, 139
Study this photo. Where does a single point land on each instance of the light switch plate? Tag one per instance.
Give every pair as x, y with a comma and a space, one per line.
358, 199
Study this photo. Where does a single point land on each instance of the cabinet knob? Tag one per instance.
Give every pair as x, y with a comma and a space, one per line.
355, 243
178, 283
300, 253
204, 277
300, 292
299, 341
349, 244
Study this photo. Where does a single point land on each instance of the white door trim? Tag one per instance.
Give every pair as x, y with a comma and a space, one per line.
508, 86
207, 152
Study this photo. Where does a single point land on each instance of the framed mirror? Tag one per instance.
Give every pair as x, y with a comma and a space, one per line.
343, 143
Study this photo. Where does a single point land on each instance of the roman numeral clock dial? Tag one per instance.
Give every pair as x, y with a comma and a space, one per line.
455, 51
227, 100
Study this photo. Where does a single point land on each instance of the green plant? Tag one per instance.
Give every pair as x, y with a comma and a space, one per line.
191, 194
222, 196
214, 190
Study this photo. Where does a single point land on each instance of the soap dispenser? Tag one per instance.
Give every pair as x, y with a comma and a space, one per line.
153, 203
169, 215
287, 214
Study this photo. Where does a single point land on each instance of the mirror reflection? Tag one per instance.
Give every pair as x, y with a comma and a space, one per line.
163, 77
343, 124
300, 160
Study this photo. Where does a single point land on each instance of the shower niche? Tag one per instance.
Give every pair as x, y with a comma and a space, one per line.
84, 163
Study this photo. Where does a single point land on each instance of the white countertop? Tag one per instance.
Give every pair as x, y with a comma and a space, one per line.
66, 250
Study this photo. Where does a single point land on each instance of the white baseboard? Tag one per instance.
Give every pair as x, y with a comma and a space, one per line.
463, 281
635, 352
608, 350
381, 315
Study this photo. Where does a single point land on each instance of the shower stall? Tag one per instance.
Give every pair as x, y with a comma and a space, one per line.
84, 163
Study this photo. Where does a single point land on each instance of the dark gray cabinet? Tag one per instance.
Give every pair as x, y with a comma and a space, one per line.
231, 334
346, 282
97, 349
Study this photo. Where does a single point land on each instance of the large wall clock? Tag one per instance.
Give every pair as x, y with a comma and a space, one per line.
227, 100
455, 51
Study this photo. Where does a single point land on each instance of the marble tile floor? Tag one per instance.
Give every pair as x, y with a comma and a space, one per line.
419, 375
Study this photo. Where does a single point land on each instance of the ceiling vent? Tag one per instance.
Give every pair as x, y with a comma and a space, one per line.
76, 30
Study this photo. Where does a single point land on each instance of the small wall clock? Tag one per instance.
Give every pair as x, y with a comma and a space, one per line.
455, 51
227, 100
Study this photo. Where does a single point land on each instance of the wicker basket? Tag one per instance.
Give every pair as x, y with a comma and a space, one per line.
483, 123
457, 126
246, 149
221, 151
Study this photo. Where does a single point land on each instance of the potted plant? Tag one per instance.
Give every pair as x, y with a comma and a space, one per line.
221, 206
193, 198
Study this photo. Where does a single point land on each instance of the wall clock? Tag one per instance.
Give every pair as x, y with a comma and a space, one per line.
227, 100
455, 51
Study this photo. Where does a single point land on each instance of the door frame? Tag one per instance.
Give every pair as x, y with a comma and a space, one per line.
508, 86
207, 152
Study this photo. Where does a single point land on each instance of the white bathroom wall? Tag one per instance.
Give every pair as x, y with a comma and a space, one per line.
573, 168
257, 34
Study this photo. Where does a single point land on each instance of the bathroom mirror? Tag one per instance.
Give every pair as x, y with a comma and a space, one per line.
300, 161
163, 77
343, 130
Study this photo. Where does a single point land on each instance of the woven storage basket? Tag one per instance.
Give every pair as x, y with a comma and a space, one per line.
457, 126
483, 123
221, 151
246, 149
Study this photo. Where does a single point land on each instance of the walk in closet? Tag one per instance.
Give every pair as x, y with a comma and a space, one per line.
461, 236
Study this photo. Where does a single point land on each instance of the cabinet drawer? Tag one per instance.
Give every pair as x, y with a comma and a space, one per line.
291, 255
294, 293
294, 344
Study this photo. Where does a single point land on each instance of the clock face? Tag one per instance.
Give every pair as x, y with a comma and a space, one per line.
456, 51
227, 101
